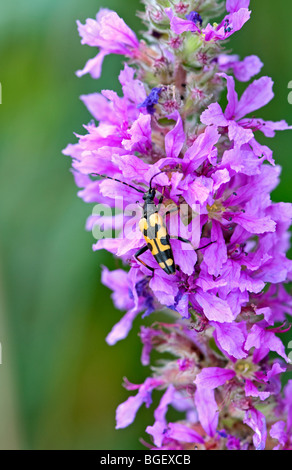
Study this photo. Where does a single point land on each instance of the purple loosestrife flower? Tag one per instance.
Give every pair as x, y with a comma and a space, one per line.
231, 23
168, 137
111, 35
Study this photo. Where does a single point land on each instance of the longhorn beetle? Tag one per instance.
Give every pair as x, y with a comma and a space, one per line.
154, 230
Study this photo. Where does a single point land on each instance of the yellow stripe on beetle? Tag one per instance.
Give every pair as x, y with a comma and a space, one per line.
143, 225
152, 246
156, 219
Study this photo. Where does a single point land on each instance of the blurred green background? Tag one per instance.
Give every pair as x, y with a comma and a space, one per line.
60, 382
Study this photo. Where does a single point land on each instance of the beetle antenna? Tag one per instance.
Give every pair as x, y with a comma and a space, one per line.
119, 181
156, 174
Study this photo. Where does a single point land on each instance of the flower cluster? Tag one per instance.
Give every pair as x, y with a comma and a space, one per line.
226, 300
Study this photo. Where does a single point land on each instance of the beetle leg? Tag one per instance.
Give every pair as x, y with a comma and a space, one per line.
188, 241
181, 239
139, 253
184, 240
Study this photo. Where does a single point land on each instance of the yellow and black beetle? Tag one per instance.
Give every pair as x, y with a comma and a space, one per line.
155, 233
154, 230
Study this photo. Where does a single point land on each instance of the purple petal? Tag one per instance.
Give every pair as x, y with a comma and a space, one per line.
254, 224
179, 25
158, 430
231, 338
117, 281
235, 22
241, 161
167, 398
109, 244
174, 139
276, 369
116, 35
185, 256
247, 68
75, 151
237, 19
268, 314
252, 391
198, 191
288, 404
91, 162
139, 135
264, 341
182, 433
126, 411
250, 283
214, 308
131, 166
240, 135
268, 128
164, 289
243, 70
115, 190
220, 177
111, 34
207, 282
93, 66
202, 149
132, 88
122, 328
212, 377
257, 421
262, 152
214, 115
278, 431
183, 306
233, 443
207, 409
257, 95
236, 299
97, 105
235, 5
216, 254
147, 334
232, 96
90, 31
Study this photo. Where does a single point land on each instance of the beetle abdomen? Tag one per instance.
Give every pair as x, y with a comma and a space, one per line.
157, 239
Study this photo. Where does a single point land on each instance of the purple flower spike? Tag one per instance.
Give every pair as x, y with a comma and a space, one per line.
184, 188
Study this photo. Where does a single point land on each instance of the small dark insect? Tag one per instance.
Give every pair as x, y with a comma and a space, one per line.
154, 229
156, 34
